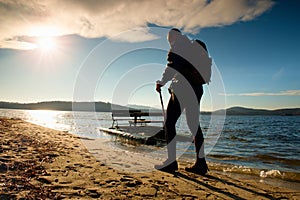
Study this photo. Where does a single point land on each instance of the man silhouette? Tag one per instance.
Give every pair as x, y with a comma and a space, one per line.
186, 91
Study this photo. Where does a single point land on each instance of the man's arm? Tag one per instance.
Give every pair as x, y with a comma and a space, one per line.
168, 73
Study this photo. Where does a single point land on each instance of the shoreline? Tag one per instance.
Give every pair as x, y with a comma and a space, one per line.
38, 161
119, 146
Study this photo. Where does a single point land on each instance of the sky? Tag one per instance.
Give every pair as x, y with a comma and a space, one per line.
114, 51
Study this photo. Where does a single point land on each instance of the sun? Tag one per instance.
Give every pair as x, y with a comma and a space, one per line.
46, 44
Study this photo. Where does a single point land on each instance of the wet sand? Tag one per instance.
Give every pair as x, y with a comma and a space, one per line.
41, 163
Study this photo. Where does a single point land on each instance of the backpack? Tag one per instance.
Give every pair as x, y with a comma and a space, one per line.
201, 63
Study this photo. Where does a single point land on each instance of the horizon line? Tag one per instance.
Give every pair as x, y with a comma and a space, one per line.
235, 106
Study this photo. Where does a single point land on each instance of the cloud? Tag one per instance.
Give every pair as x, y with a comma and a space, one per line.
257, 94
105, 18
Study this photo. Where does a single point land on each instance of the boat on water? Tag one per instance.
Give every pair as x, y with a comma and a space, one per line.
149, 135
137, 125
140, 126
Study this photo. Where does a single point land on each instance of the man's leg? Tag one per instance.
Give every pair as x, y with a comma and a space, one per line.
199, 145
200, 166
173, 113
193, 114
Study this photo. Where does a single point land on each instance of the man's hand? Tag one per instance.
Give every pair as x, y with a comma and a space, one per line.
158, 86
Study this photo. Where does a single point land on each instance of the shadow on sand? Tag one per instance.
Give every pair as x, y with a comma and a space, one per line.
230, 185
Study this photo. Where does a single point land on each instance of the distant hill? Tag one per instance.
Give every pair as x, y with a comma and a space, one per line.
107, 107
63, 106
251, 111
72, 106
141, 107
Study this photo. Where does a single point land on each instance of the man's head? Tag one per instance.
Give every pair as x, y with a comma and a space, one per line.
173, 35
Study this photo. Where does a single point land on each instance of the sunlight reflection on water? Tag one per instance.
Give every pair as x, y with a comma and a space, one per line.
45, 117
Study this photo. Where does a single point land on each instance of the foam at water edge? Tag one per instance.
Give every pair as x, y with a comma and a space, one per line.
234, 168
271, 173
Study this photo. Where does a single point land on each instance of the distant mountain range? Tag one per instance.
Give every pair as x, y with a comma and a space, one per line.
61, 105
107, 107
251, 111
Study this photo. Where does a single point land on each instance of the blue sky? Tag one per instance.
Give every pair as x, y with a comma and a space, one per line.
254, 45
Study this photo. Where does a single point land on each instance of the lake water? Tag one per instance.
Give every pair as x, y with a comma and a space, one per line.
268, 145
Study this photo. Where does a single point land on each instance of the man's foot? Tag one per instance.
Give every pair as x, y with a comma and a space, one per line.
200, 169
167, 166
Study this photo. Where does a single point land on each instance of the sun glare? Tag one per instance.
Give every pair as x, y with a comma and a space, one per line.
43, 117
46, 44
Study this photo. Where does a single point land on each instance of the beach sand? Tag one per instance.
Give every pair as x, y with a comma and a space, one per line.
41, 163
